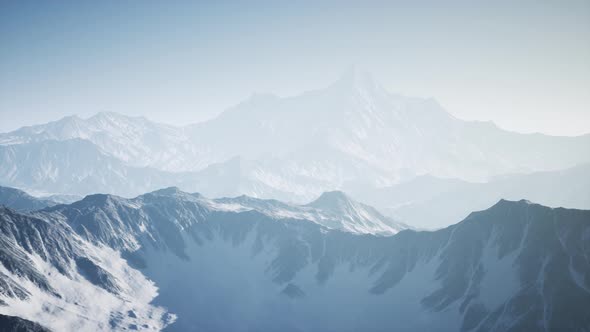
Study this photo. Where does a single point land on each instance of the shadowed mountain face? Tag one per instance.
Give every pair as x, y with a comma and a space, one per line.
21, 201
352, 133
16, 324
241, 264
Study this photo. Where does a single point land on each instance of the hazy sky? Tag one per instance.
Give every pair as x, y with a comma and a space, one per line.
522, 64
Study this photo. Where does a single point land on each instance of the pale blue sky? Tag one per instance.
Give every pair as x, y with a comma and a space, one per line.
522, 64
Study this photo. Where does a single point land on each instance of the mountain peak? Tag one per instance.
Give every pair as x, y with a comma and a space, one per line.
354, 216
508, 203
503, 207
102, 197
174, 192
98, 200
170, 191
330, 200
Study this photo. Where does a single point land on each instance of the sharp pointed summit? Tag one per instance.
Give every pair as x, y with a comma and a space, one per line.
355, 216
331, 199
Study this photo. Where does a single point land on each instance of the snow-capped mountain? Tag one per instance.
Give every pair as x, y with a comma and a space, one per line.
237, 264
135, 141
332, 210
72, 166
353, 133
356, 124
354, 216
51, 276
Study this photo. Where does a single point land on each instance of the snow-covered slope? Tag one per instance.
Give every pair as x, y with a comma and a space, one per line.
352, 133
354, 216
51, 276
338, 212
136, 141
237, 265
357, 127
77, 167
334, 210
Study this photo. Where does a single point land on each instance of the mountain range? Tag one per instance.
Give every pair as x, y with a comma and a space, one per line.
180, 261
347, 208
429, 202
350, 134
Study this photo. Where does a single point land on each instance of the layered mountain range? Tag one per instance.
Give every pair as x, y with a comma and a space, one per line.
429, 202
183, 262
89, 241
352, 134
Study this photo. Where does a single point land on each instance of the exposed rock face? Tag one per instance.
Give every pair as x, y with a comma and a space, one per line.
21, 201
17, 324
52, 276
240, 265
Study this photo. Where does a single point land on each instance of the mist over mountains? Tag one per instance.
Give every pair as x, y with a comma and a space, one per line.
234, 166
430, 202
348, 208
353, 136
